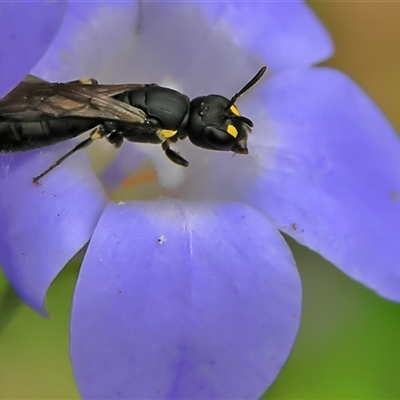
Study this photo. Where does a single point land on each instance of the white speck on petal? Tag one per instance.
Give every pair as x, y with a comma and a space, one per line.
162, 239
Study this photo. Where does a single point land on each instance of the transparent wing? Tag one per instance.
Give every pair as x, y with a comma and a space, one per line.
34, 100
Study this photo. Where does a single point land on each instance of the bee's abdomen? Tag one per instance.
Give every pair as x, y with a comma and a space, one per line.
21, 135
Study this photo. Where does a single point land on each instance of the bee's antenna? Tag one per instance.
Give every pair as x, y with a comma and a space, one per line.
247, 86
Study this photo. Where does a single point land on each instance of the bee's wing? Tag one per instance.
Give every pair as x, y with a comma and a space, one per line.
34, 101
33, 79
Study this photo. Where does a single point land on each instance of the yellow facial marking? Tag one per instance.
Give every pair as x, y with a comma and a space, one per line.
165, 134
234, 110
232, 130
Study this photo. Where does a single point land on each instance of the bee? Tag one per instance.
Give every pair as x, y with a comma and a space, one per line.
37, 113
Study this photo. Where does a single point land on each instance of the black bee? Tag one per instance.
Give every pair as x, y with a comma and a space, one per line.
38, 113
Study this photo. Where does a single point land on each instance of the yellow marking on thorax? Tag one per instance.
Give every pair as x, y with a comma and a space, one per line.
232, 130
165, 134
87, 81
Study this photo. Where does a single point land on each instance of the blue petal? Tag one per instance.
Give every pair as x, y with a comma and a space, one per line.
328, 166
26, 31
95, 36
183, 300
285, 34
200, 47
42, 227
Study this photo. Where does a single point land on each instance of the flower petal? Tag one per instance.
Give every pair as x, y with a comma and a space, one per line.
282, 35
43, 226
125, 161
330, 176
26, 31
183, 300
285, 34
90, 42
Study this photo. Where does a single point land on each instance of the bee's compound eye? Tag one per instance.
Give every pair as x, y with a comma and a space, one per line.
219, 139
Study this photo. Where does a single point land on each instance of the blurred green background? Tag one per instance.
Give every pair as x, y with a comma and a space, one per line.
349, 343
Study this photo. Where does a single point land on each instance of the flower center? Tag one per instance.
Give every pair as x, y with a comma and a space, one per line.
136, 171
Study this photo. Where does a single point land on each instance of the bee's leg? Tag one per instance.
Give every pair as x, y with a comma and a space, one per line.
116, 139
97, 133
173, 155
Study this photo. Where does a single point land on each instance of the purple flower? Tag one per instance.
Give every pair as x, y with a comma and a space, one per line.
194, 293
21, 26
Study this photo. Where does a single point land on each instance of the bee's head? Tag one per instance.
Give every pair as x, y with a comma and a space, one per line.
215, 126
215, 122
